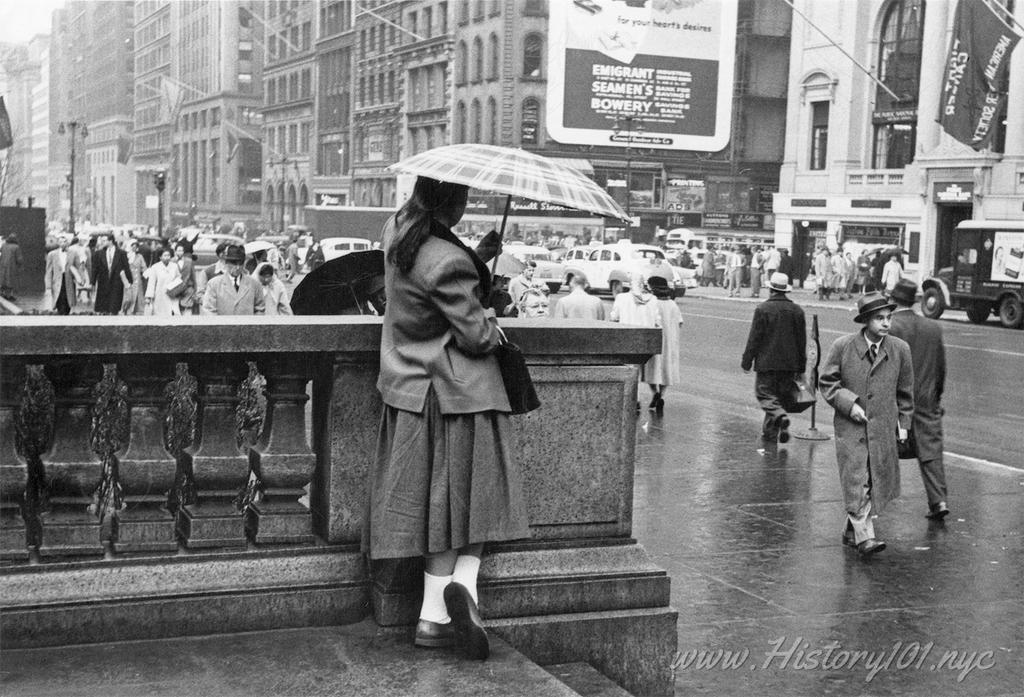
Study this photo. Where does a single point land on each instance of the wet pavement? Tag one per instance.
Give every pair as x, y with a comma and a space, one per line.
750, 535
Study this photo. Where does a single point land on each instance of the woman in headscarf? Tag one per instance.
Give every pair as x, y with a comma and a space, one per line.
443, 481
275, 297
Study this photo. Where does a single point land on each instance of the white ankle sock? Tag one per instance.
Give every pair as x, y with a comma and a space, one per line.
433, 609
466, 569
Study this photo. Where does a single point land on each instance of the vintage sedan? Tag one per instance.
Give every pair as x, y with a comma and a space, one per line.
609, 266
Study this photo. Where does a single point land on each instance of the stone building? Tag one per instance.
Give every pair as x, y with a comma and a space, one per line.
332, 181
864, 168
288, 111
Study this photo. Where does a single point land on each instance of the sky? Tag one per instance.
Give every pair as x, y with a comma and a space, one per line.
20, 20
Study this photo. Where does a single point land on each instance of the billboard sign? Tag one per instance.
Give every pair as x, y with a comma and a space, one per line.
665, 66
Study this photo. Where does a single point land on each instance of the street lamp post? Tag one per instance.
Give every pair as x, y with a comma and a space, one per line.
629, 128
160, 182
72, 127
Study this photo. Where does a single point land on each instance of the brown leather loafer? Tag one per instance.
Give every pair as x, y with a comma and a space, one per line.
869, 547
470, 636
434, 635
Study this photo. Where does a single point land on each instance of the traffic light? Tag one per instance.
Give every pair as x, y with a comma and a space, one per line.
160, 181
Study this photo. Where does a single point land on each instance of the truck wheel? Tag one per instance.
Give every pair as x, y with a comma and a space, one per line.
554, 287
979, 311
932, 303
616, 287
1011, 312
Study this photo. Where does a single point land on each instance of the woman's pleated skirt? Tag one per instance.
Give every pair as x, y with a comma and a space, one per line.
442, 481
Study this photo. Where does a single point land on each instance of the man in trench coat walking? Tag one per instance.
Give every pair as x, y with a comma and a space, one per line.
924, 336
868, 378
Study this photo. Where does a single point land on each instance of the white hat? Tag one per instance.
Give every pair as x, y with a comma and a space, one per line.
780, 282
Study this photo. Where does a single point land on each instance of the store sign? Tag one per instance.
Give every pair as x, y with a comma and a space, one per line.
531, 119
685, 195
954, 192
683, 220
662, 70
895, 115
747, 221
375, 147
870, 203
492, 204
718, 220
329, 200
808, 203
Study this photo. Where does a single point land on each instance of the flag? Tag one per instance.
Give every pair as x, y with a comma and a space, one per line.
6, 136
232, 146
171, 98
974, 88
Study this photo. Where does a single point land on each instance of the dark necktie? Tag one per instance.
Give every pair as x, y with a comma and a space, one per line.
236, 284
873, 353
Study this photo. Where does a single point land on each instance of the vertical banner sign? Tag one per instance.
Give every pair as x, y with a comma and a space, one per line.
667, 64
974, 90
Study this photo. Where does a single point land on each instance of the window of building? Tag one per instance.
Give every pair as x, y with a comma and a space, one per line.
475, 121
307, 84
478, 10
899, 67
478, 59
442, 18
535, 8
530, 122
492, 121
463, 9
819, 135
215, 116
293, 138
304, 131
413, 23
533, 50
494, 51
245, 50
460, 123
428, 21
461, 64
293, 87
307, 35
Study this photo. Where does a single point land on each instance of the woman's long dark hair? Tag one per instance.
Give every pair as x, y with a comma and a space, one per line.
429, 197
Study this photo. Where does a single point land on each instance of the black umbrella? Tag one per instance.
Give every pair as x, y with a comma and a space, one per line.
342, 286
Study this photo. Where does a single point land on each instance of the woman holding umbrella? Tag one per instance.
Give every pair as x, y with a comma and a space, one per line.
443, 481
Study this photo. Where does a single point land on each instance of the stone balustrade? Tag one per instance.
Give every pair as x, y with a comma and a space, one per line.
191, 475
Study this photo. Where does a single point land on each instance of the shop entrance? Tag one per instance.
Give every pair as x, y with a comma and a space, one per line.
806, 234
948, 216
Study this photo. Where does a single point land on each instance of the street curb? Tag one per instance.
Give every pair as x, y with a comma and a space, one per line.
749, 300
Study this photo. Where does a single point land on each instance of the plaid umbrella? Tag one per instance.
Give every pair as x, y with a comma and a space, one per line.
514, 172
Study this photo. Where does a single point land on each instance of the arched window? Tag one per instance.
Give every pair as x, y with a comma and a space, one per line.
460, 123
530, 122
899, 68
478, 59
463, 12
474, 115
461, 63
495, 57
492, 121
291, 202
533, 53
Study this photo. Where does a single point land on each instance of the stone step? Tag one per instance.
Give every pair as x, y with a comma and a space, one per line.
354, 659
586, 680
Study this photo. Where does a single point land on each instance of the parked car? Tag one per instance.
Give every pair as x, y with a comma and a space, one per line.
334, 247
204, 249
609, 266
548, 271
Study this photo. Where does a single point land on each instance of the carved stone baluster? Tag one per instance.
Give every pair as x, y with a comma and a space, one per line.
13, 470
220, 468
146, 469
286, 460
72, 468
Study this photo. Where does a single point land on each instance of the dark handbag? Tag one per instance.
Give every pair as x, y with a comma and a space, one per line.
799, 398
907, 449
522, 396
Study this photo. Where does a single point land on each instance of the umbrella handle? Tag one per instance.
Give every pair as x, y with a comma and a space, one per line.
501, 234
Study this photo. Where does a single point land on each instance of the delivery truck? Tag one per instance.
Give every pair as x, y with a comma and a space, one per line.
986, 276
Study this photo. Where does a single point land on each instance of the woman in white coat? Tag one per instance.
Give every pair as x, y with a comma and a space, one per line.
275, 297
161, 276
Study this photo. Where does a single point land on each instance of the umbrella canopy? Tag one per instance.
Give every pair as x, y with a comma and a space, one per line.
514, 172
341, 286
507, 265
257, 246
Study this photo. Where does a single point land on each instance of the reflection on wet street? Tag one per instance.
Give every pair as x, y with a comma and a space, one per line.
750, 535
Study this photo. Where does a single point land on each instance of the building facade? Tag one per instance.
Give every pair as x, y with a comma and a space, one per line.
289, 77
866, 163
331, 184
20, 73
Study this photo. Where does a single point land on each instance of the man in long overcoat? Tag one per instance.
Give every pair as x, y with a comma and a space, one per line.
777, 350
868, 378
928, 353
233, 292
110, 274
58, 280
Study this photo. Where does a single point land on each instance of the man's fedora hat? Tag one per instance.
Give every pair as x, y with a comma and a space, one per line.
235, 253
869, 305
780, 282
905, 292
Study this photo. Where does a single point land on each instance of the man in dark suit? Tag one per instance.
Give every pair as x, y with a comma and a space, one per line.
110, 275
928, 355
777, 349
